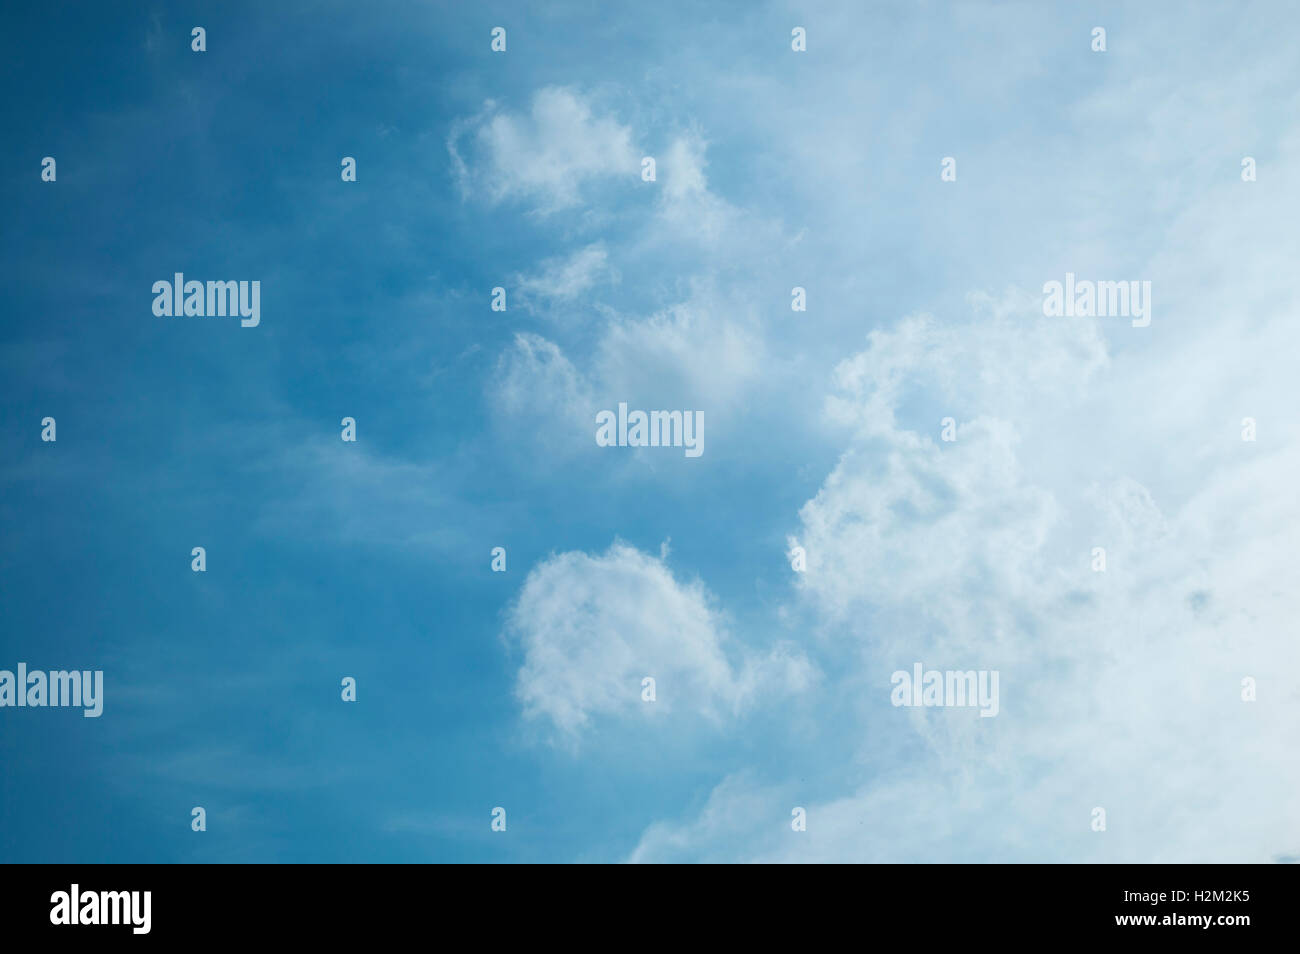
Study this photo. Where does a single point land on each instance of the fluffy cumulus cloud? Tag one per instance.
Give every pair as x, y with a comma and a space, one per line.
1120, 690
1123, 690
904, 507
544, 156
699, 353
698, 343
591, 628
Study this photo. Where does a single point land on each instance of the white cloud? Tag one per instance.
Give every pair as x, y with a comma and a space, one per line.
561, 280
1001, 358
705, 350
698, 354
701, 352
545, 156
1118, 689
686, 204
538, 389
592, 627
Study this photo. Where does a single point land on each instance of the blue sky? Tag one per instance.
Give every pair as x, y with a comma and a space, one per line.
522, 689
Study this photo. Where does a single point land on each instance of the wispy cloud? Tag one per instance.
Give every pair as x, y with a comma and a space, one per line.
544, 156
591, 628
